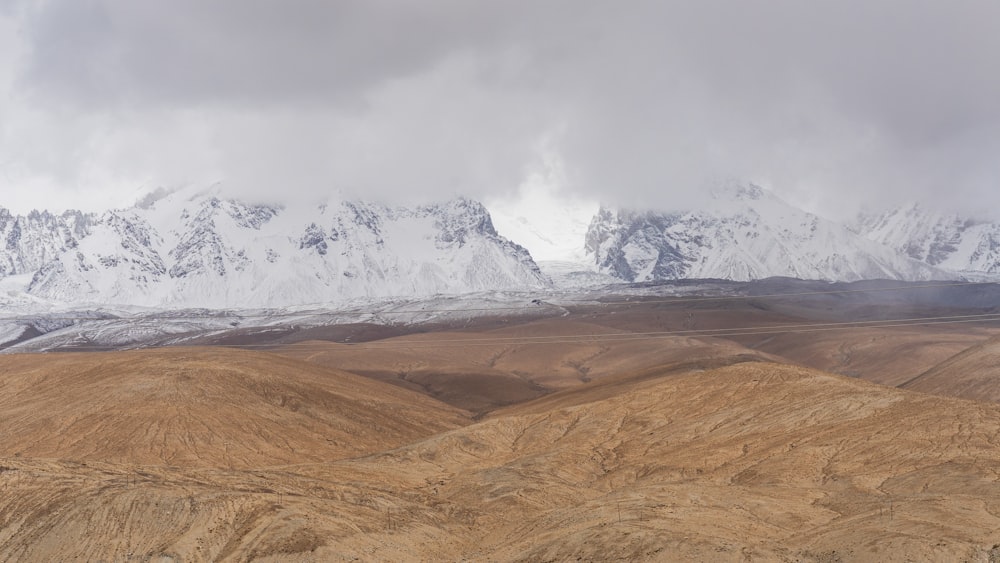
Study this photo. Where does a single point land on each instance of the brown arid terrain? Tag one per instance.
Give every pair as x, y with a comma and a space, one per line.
890, 356
973, 373
485, 370
193, 407
582, 438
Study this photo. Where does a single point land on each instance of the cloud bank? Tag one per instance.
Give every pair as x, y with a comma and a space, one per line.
835, 105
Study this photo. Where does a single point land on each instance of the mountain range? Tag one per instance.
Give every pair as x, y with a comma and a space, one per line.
199, 250
193, 248
743, 233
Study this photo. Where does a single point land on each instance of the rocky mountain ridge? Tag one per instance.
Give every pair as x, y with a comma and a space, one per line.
200, 250
743, 233
27, 242
944, 240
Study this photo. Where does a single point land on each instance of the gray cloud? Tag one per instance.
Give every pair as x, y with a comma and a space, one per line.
258, 53
833, 104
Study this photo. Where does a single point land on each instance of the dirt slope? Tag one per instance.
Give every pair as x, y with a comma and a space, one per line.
203, 407
890, 356
481, 371
971, 374
753, 461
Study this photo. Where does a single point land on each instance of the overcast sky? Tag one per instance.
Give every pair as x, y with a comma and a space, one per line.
831, 104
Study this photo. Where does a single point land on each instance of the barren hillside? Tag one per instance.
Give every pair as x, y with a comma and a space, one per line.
890, 356
753, 461
483, 370
202, 407
973, 373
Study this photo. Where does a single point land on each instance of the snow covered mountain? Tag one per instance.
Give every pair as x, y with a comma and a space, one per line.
27, 242
744, 233
198, 250
944, 240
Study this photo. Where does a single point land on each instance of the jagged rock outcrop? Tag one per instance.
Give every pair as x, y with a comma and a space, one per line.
28, 242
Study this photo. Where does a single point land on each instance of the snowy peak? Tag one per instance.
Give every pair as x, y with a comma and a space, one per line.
27, 242
201, 245
200, 250
459, 219
744, 233
191, 248
637, 246
732, 191
945, 240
